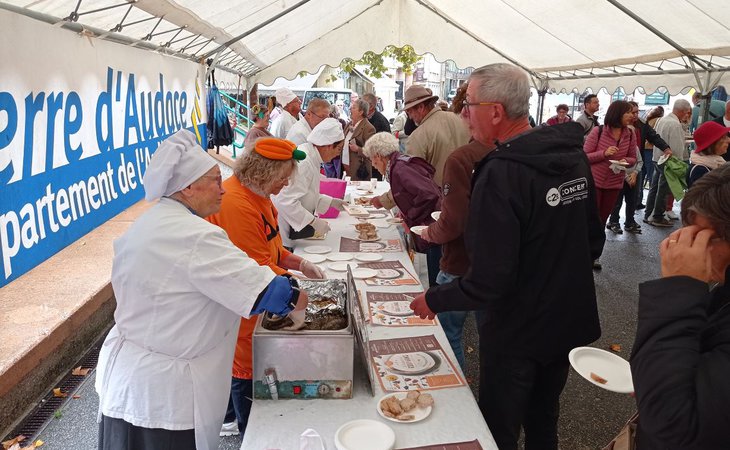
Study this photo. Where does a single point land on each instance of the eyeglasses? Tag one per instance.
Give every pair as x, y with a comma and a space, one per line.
317, 115
466, 105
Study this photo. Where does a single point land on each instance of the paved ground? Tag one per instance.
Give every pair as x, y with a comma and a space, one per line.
590, 416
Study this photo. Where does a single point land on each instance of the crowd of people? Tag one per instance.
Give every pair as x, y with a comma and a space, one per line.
523, 214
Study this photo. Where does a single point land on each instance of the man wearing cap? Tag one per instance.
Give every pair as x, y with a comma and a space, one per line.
181, 288
298, 202
317, 110
291, 107
438, 134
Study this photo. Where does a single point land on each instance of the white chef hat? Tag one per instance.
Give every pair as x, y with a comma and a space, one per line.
284, 96
326, 132
176, 164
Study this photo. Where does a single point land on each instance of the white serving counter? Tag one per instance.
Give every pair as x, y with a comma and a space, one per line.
278, 424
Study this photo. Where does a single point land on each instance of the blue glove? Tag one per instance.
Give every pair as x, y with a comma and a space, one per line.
280, 297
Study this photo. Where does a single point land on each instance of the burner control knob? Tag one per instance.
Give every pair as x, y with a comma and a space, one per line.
323, 389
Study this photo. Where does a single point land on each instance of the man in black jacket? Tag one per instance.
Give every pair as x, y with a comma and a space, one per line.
680, 363
378, 121
533, 232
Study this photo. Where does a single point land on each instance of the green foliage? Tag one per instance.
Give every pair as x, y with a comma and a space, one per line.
374, 62
58, 414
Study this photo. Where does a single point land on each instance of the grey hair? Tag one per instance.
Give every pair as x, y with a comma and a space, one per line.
259, 174
380, 144
505, 84
709, 196
363, 106
370, 96
681, 105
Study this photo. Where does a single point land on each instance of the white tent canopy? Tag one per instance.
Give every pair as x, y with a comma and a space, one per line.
564, 44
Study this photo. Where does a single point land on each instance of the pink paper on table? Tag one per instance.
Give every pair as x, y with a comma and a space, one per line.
334, 188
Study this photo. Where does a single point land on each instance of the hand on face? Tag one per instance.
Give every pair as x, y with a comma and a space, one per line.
686, 252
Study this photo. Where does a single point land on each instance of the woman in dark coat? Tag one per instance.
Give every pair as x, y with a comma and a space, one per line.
681, 357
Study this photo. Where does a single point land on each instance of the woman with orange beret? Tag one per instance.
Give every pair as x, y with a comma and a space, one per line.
250, 219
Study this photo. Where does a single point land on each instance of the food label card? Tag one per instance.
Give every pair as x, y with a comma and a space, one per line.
393, 309
470, 445
390, 273
419, 362
381, 246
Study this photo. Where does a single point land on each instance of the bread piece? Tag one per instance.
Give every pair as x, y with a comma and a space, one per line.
407, 404
425, 400
394, 405
406, 417
413, 394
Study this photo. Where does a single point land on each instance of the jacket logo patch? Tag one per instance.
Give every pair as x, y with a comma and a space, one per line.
568, 192
446, 189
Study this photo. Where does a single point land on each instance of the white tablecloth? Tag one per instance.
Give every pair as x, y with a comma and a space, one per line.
277, 424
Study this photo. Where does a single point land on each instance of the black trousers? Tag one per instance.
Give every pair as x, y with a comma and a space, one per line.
628, 193
516, 392
116, 434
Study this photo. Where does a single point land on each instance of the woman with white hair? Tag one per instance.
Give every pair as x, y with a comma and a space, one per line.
299, 201
410, 177
181, 288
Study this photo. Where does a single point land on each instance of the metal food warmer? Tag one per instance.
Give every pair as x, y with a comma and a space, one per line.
317, 361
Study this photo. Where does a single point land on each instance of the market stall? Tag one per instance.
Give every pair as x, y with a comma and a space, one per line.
402, 353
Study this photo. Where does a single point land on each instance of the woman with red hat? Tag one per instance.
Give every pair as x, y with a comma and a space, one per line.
712, 141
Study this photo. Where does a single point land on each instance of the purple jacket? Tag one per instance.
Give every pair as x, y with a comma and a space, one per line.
414, 191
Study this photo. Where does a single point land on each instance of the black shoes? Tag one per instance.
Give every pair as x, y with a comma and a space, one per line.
615, 227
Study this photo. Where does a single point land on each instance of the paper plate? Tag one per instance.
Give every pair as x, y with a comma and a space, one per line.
394, 220
316, 259
357, 238
339, 266
418, 413
612, 368
435, 215
366, 188
368, 257
318, 249
339, 256
418, 229
378, 215
364, 434
362, 272
619, 163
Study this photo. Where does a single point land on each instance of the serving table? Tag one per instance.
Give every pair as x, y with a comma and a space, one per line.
278, 424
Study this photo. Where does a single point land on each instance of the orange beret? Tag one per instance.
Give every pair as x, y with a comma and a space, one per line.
278, 149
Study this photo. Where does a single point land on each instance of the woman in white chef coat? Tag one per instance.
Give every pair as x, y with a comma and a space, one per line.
181, 288
298, 202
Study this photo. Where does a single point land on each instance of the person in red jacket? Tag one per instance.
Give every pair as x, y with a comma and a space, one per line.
561, 116
250, 219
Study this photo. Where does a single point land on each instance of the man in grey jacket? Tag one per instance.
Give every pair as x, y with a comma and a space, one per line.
670, 129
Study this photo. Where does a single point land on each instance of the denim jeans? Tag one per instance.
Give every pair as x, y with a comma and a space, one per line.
629, 193
239, 403
453, 323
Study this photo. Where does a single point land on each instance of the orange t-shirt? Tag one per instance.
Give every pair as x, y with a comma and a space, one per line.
251, 223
